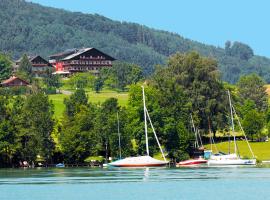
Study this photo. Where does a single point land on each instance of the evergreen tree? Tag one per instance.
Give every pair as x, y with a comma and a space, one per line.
51, 80
98, 84
25, 68
5, 67
75, 101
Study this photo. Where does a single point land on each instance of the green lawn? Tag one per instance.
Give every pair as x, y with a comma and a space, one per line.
58, 99
260, 149
105, 94
58, 102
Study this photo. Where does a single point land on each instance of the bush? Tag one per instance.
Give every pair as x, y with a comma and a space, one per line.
50, 91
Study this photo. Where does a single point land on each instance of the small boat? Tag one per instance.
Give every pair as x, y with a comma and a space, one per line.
192, 162
142, 161
199, 146
139, 161
222, 159
105, 165
229, 159
60, 165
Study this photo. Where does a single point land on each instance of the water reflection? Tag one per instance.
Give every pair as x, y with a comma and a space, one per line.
88, 175
135, 184
146, 174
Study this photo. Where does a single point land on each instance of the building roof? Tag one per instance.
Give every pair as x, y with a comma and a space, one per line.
79, 52
32, 58
13, 78
72, 53
63, 54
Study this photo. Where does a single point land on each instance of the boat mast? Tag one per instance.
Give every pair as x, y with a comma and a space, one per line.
145, 123
119, 136
200, 138
195, 132
212, 142
155, 135
240, 125
231, 110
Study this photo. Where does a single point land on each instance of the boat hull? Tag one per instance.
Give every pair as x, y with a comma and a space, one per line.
139, 165
191, 162
232, 162
140, 161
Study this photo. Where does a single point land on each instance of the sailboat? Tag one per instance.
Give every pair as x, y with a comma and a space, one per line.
147, 160
198, 145
232, 158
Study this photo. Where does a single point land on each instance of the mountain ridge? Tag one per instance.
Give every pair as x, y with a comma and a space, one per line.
35, 29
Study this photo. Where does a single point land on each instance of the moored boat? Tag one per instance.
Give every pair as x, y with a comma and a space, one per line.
221, 159
142, 161
238, 161
198, 145
139, 161
192, 162
60, 165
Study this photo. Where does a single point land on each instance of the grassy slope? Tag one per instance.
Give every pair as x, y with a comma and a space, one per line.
58, 99
58, 102
260, 149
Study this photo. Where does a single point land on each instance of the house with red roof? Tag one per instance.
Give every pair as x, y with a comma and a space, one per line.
14, 81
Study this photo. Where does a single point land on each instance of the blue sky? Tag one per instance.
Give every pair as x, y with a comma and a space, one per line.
208, 21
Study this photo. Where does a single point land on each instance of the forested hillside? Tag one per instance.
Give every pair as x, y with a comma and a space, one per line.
30, 28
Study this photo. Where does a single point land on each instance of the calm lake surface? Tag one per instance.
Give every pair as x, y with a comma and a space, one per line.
150, 183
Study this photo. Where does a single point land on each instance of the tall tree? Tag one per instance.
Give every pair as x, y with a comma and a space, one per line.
8, 133
5, 67
25, 68
107, 125
121, 75
253, 123
35, 125
51, 80
251, 87
81, 80
198, 79
242, 50
74, 102
78, 138
98, 84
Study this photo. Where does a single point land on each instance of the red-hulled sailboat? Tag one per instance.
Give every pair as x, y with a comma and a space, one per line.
198, 145
192, 162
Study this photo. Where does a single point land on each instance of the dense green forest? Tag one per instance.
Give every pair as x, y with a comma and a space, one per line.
30, 28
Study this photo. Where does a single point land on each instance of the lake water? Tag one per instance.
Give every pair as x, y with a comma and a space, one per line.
136, 184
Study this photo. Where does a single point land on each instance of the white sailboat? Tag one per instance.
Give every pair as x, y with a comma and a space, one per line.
232, 158
143, 161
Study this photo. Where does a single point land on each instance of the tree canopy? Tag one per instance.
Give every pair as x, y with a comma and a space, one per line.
5, 67
199, 79
252, 87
